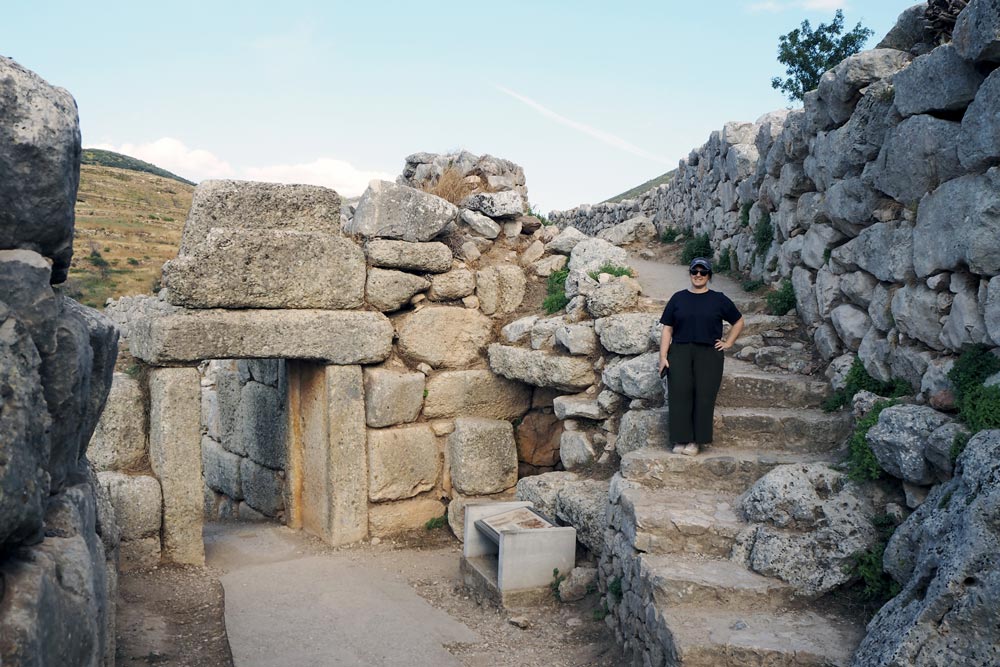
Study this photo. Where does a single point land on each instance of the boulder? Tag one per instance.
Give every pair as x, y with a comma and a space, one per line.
965, 324
567, 239
575, 449
481, 224
387, 210
615, 296
899, 440
592, 254
626, 333
966, 212
40, 158
810, 523
943, 557
640, 377
639, 228
264, 207
540, 368
482, 455
335, 336
392, 397
579, 406
263, 488
221, 469
803, 284
532, 253
455, 284
578, 339
475, 393
884, 250
402, 462
910, 33
851, 323
500, 289
137, 502
240, 268
119, 440
977, 32
937, 81
459, 336
917, 311
388, 290
839, 88
819, 241
542, 491
519, 329
991, 313
642, 428
548, 265
583, 504
849, 205
577, 584
918, 155
432, 257
538, 436
495, 204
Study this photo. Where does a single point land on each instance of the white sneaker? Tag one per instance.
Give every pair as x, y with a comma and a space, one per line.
691, 449
679, 448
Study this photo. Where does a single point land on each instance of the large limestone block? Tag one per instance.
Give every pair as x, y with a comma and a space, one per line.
432, 257
583, 504
388, 290
24, 422
591, 254
567, 239
335, 336
250, 205
391, 211
626, 333
456, 284
851, 323
397, 517
884, 250
443, 336
959, 223
254, 268
540, 368
537, 438
119, 441
965, 324
838, 88
481, 224
475, 393
809, 523
500, 289
263, 488
943, 556
642, 428
392, 397
615, 296
260, 425
977, 32
576, 449
937, 81
900, 438
40, 161
543, 490
221, 469
458, 503
137, 502
640, 377
175, 455
402, 462
916, 312
495, 204
578, 339
482, 455
977, 147
918, 155
639, 228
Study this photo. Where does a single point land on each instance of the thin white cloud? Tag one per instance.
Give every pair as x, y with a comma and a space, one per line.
775, 6
600, 135
199, 164
343, 177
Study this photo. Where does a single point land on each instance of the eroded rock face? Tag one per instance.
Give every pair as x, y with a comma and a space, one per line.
900, 438
430, 257
540, 368
402, 462
944, 556
483, 456
460, 335
119, 441
391, 211
40, 160
500, 289
810, 523
475, 393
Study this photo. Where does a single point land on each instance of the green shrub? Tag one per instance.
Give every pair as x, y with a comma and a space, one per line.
554, 584
600, 613
752, 285
132, 261
763, 234
436, 522
781, 300
879, 587
615, 589
669, 234
980, 408
555, 288
611, 269
541, 218
745, 214
857, 380
978, 405
958, 444
696, 246
725, 262
861, 462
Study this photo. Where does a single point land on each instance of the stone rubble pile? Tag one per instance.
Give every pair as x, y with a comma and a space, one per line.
58, 531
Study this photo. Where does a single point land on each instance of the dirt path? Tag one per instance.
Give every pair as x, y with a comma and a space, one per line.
174, 616
664, 274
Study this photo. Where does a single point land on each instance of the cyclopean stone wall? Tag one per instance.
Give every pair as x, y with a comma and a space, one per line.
881, 197
58, 536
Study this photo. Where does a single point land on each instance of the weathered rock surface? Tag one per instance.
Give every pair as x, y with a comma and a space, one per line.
540, 368
977, 32
432, 257
496, 204
402, 462
634, 229
455, 284
568, 239
899, 441
938, 81
641, 428
577, 339
475, 393
119, 440
482, 455
576, 449
459, 336
943, 556
500, 289
583, 504
40, 158
537, 438
614, 296
626, 333
339, 337
392, 397
388, 290
391, 211
137, 503
481, 224
542, 491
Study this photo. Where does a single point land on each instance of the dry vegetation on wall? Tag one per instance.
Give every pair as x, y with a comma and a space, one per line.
453, 187
128, 224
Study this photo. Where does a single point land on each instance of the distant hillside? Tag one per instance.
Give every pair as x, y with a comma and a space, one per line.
99, 158
128, 223
639, 189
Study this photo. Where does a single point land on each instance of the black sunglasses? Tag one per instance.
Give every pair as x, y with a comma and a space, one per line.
700, 272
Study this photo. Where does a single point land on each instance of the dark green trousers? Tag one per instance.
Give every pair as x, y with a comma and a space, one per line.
693, 384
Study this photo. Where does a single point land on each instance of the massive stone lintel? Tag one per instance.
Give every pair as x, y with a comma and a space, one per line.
541, 369
334, 336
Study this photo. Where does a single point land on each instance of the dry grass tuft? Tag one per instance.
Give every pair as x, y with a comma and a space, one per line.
452, 186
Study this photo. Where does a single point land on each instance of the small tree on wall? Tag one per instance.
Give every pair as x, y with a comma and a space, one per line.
807, 53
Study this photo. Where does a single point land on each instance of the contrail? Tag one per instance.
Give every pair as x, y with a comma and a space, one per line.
603, 137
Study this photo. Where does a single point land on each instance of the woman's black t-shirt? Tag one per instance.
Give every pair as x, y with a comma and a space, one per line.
697, 318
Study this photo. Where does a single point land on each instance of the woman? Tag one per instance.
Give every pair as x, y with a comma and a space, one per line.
692, 353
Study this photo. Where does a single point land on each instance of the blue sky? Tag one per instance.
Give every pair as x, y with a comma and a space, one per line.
591, 98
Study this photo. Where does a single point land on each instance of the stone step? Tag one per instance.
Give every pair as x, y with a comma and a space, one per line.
664, 521
710, 637
676, 580
746, 385
802, 430
718, 469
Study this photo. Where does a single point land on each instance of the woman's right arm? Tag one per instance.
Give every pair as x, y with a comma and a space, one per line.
665, 338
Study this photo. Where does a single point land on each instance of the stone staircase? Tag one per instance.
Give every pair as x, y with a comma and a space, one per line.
675, 597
